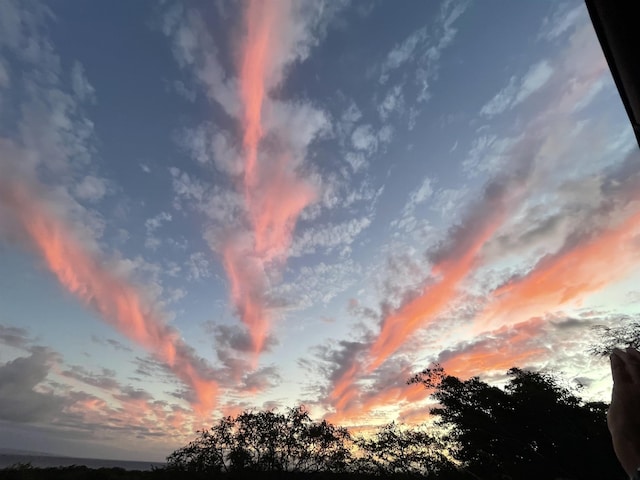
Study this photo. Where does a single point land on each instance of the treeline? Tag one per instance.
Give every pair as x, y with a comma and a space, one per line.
533, 428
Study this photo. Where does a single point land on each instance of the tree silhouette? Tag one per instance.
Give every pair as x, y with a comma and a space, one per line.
533, 428
399, 450
267, 441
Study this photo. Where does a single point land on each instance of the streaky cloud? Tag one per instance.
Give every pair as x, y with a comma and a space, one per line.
118, 301
274, 193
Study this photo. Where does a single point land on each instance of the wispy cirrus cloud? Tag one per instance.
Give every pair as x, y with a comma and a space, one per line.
266, 161
518, 90
574, 272
84, 274
531, 164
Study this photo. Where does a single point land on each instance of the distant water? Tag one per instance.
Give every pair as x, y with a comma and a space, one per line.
45, 461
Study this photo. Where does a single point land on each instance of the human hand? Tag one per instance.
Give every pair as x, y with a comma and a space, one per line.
623, 417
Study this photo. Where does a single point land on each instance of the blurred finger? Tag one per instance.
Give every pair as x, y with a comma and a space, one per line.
619, 368
632, 360
633, 353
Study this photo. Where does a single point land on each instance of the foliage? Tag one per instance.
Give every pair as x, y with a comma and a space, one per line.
267, 441
401, 451
533, 428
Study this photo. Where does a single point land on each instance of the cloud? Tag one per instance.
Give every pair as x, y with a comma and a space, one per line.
115, 344
518, 90
19, 401
393, 102
273, 192
363, 138
80, 270
329, 237
578, 269
316, 285
536, 160
104, 380
91, 188
497, 351
407, 221
563, 18
14, 336
252, 227
154, 223
402, 53
194, 49
198, 266
233, 337
151, 225
83, 90
353, 399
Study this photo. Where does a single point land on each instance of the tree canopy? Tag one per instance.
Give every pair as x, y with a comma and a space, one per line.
532, 428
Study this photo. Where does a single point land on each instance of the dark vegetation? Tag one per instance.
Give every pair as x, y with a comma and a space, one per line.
533, 428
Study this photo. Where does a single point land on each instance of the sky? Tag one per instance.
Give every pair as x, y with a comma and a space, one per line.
210, 206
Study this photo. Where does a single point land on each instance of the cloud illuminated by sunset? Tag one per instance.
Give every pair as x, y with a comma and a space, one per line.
567, 276
118, 301
274, 194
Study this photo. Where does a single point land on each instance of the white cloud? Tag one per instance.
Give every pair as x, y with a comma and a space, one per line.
385, 134
562, 20
407, 221
356, 160
502, 100
298, 123
194, 47
91, 188
393, 101
421, 194
317, 284
83, 90
488, 154
154, 223
186, 187
151, 225
349, 117
449, 202
537, 76
517, 91
328, 237
198, 267
402, 52
364, 138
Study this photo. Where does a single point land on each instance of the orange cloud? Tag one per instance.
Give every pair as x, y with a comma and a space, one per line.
116, 300
261, 23
361, 403
568, 276
433, 301
248, 287
345, 389
274, 194
506, 347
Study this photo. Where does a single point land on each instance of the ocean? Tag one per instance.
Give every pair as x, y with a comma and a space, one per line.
44, 461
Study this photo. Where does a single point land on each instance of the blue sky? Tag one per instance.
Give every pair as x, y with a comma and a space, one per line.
212, 206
